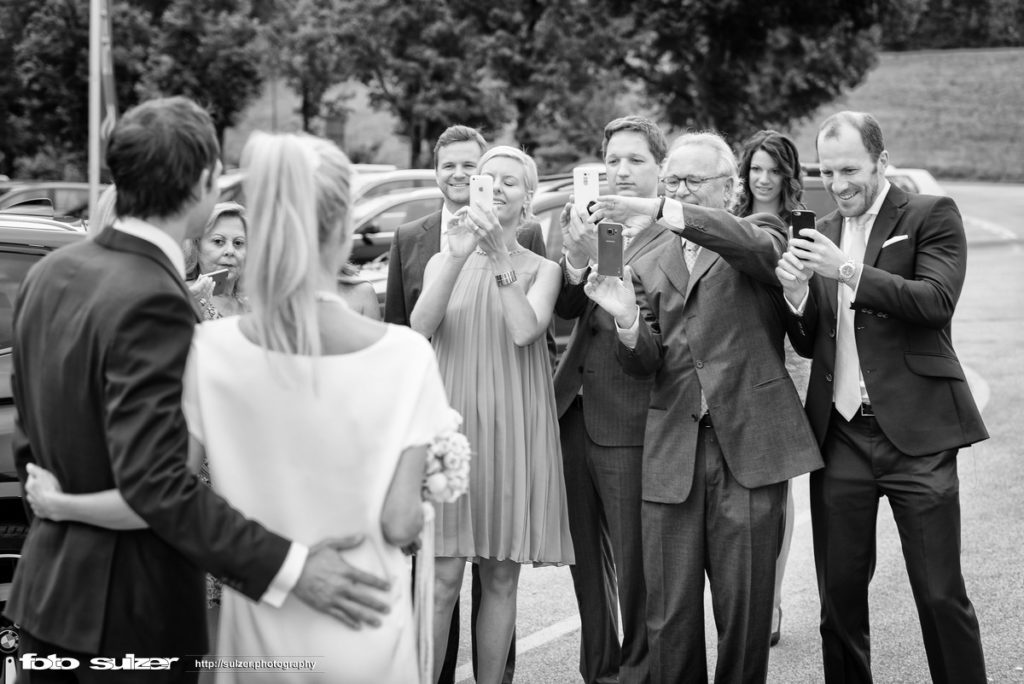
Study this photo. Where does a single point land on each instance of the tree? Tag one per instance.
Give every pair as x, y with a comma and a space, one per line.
211, 52
308, 51
418, 60
741, 65
51, 68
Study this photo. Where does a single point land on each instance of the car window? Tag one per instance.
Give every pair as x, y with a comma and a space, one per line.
71, 202
904, 183
13, 267
388, 219
816, 198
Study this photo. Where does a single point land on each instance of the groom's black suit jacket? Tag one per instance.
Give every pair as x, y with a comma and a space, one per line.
102, 330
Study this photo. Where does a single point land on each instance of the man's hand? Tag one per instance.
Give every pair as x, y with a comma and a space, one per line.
793, 277
40, 490
579, 239
614, 295
818, 253
632, 211
329, 584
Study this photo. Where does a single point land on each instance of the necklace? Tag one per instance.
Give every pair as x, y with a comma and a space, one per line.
518, 249
328, 296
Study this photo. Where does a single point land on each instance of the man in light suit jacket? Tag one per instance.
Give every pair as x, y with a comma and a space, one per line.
101, 333
725, 429
888, 400
456, 154
601, 414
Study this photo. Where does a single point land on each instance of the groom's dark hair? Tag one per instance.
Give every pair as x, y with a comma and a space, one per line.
156, 154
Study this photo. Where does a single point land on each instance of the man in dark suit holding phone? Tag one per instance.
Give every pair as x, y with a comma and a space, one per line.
601, 413
873, 290
724, 429
456, 154
102, 330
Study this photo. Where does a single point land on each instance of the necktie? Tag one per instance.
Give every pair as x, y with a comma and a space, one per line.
690, 252
847, 371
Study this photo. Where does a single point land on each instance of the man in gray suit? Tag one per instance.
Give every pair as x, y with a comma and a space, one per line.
725, 428
601, 416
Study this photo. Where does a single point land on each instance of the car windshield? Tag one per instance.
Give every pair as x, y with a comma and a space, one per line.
13, 268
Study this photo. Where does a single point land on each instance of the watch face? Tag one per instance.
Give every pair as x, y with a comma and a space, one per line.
847, 270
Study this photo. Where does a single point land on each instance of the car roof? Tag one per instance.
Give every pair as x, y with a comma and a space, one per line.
376, 204
20, 230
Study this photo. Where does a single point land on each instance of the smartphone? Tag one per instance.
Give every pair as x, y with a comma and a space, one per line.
586, 186
481, 191
609, 249
800, 219
220, 280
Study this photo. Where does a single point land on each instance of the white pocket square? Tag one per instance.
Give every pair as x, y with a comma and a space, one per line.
894, 240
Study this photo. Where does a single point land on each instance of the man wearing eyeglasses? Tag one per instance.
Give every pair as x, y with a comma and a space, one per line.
725, 428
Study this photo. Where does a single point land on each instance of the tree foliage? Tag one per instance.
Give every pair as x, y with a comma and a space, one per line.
209, 51
738, 66
943, 24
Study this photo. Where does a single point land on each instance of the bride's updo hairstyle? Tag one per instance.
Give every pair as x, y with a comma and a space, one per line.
297, 188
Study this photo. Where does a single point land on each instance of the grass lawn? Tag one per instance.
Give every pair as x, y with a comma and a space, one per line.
958, 113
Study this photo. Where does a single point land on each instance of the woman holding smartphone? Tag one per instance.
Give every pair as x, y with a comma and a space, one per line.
486, 306
214, 262
772, 182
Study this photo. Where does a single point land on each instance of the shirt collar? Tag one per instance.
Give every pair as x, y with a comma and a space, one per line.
446, 216
157, 237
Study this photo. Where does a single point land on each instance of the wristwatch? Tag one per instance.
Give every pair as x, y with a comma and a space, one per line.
847, 271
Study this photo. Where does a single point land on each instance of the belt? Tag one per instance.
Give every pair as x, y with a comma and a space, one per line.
866, 411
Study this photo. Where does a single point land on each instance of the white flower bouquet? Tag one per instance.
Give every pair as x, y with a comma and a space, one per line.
447, 473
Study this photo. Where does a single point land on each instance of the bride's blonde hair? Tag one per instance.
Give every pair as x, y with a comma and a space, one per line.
297, 189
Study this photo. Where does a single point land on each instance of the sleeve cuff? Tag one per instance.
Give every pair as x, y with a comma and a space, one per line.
573, 275
287, 577
672, 214
631, 335
799, 308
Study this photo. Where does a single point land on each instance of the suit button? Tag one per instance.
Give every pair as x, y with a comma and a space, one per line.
868, 311
832, 332
828, 377
699, 364
882, 315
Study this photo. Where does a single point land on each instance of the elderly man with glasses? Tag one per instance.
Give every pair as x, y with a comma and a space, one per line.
725, 427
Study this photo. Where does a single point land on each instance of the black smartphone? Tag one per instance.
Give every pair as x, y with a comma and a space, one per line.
609, 249
800, 219
220, 280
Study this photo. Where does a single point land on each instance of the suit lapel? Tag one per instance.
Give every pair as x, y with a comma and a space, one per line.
120, 241
427, 244
885, 223
673, 265
832, 228
705, 260
638, 244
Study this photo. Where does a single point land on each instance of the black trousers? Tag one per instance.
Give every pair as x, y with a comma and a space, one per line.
451, 655
924, 493
53, 664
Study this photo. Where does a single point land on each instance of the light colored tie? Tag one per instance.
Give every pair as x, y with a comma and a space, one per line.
847, 371
690, 252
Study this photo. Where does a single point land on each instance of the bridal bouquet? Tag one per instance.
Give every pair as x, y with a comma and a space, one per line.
447, 475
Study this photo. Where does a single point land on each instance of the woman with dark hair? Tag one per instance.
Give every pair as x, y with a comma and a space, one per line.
771, 181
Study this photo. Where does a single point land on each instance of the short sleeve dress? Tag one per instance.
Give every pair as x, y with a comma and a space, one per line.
515, 508
308, 447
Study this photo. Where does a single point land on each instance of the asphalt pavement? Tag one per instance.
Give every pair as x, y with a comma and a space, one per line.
989, 336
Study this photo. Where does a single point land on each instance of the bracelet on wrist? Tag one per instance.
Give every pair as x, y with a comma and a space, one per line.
505, 279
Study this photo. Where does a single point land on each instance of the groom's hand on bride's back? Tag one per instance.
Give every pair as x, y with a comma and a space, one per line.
329, 584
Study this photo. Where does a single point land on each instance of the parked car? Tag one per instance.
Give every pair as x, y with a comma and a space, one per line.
49, 198
376, 219
369, 185
23, 241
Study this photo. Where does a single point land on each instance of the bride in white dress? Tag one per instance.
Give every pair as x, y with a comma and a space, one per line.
315, 422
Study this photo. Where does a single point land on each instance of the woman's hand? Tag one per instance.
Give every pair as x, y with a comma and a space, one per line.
485, 225
40, 490
461, 238
579, 238
202, 287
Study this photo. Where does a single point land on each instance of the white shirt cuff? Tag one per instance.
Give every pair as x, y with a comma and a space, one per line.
672, 214
631, 335
799, 308
287, 577
573, 275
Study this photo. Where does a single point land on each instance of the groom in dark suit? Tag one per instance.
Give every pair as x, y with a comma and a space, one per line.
456, 154
873, 290
725, 429
101, 333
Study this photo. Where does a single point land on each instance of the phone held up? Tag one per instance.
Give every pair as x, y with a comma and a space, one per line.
800, 219
586, 187
481, 191
609, 249
220, 280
